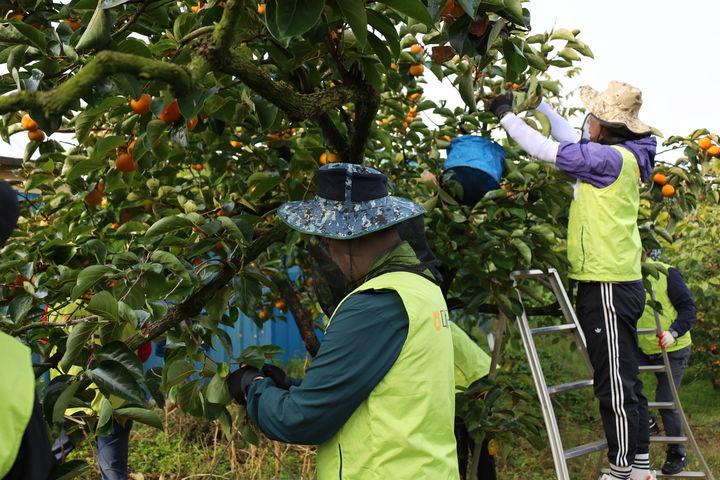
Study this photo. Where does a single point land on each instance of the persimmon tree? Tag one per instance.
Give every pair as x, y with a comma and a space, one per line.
174, 130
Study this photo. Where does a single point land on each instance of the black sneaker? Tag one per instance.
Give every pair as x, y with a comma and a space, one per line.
674, 463
654, 428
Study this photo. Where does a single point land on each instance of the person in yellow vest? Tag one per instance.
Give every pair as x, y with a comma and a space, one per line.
471, 364
676, 320
24, 444
378, 397
615, 153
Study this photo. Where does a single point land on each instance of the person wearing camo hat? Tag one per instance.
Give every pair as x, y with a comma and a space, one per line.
378, 397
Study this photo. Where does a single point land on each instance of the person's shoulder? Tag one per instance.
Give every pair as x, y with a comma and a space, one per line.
373, 299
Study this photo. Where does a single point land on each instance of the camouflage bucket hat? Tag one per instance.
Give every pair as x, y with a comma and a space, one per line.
351, 201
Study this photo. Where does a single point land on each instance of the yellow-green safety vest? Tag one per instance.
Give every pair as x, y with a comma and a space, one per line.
404, 429
603, 236
470, 361
17, 391
649, 343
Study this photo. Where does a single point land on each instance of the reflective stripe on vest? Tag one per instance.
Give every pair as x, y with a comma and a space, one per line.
649, 343
603, 236
17, 391
404, 429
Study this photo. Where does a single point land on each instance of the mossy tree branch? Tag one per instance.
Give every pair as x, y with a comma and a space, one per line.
105, 63
194, 304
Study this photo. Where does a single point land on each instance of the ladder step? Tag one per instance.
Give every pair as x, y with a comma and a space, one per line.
652, 368
530, 273
662, 405
647, 331
568, 387
659, 474
552, 329
585, 449
668, 439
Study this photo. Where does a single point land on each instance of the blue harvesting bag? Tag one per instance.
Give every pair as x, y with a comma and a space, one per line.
477, 163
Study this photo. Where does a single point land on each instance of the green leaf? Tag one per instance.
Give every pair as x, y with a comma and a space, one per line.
85, 166
411, 8
465, 87
523, 248
387, 29
516, 62
171, 262
295, 17
105, 145
70, 469
104, 305
166, 225
248, 291
380, 49
266, 112
217, 391
36, 37
354, 12
113, 378
19, 307
98, 32
177, 372
111, 3
104, 424
569, 54
191, 104
121, 353
88, 277
63, 401
142, 415
470, 6
513, 11
76, 340
497, 27
218, 303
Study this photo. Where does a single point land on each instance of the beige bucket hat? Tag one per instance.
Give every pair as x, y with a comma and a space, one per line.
619, 103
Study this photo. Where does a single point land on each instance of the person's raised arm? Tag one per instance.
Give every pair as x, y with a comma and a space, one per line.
560, 129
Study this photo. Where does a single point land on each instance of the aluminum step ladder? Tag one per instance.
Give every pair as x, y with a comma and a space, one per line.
551, 280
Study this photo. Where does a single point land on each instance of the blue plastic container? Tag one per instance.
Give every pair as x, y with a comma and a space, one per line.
477, 163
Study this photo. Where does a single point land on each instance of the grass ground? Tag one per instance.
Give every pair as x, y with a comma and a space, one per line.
195, 449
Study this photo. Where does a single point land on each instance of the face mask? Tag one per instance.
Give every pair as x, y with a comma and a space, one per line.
332, 285
586, 127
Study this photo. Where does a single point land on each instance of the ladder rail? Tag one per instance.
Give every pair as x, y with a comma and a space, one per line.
687, 431
556, 446
551, 280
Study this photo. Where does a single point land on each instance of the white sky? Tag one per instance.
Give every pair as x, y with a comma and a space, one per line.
664, 48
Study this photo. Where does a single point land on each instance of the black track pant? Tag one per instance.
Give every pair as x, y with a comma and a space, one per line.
608, 314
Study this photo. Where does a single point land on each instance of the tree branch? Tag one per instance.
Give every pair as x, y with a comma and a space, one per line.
105, 63
302, 321
194, 304
365, 112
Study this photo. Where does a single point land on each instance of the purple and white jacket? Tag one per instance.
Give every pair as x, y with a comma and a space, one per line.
590, 162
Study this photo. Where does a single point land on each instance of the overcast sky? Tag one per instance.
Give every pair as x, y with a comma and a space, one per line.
665, 48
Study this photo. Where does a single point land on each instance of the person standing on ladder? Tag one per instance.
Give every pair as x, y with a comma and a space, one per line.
615, 153
676, 319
